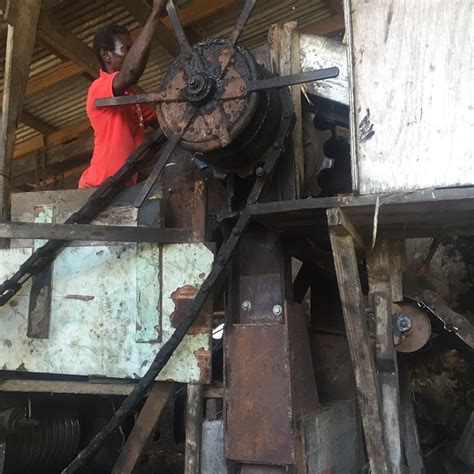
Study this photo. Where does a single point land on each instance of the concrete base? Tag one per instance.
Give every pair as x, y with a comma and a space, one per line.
333, 439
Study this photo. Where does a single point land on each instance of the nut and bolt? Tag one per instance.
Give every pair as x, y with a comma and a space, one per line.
403, 323
277, 310
259, 171
246, 305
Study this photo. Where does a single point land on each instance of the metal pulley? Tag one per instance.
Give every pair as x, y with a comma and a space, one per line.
412, 328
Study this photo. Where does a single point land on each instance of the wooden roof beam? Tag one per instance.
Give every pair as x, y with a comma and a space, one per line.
62, 42
37, 124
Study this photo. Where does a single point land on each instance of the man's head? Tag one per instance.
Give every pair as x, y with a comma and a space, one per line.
111, 45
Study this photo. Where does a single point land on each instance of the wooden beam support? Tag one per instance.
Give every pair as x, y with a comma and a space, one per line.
37, 124
144, 427
192, 460
341, 225
22, 22
91, 232
355, 320
66, 44
380, 294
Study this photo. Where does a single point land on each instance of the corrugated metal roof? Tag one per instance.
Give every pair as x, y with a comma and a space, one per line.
64, 104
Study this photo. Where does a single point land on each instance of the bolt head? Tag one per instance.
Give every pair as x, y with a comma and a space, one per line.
277, 310
403, 323
246, 305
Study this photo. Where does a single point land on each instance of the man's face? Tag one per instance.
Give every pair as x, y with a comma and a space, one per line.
114, 59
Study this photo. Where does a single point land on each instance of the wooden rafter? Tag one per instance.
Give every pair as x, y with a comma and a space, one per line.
37, 124
61, 41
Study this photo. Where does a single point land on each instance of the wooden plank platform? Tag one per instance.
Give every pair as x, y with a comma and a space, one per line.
424, 213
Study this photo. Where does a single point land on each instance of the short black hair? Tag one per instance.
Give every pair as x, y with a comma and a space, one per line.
105, 39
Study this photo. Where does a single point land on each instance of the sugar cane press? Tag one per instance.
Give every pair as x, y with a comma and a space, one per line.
236, 118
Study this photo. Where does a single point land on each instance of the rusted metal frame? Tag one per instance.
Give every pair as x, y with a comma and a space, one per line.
95, 204
271, 156
90, 232
360, 347
144, 427
212, 282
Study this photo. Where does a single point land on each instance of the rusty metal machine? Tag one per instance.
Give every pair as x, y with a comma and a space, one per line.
235, 118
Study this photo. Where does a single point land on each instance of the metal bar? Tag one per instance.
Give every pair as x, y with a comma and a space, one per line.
282, 81
88, 232
178, 28
165, 155
151, 98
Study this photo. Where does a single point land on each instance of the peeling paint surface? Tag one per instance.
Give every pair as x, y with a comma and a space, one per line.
96, 300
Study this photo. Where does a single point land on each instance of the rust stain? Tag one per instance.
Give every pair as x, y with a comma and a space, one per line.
13, 303
183, 298
80, 297
204, 362
8, 343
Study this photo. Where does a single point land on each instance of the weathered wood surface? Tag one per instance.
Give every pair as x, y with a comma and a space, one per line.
424, 213
410, 439
285, 57
412, 84
380, 284
90, 232
192, 460
73, 387
144, 428
23, 20
355, 320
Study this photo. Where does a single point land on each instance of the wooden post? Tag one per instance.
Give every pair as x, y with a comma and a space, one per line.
192, 460
22, 19
355, 321
381, 279
410, 440
144, 427
286, 60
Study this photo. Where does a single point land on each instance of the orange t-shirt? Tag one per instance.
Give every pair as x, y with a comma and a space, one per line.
118, 132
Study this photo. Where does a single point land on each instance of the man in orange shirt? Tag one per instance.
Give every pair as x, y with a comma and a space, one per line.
119, 130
